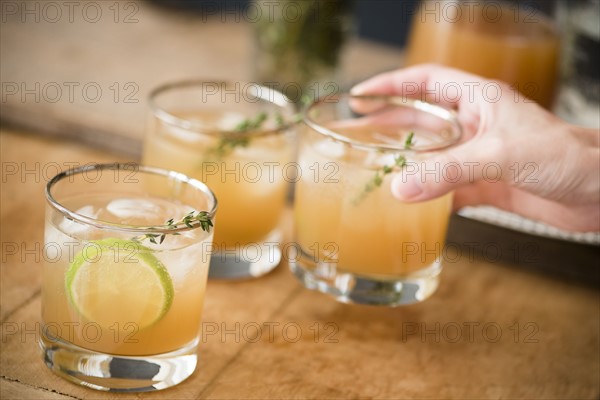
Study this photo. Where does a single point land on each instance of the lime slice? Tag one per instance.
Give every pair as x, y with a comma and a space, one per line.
116, 281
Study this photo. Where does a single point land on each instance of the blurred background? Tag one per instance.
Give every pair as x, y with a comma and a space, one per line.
84, 69
385, 21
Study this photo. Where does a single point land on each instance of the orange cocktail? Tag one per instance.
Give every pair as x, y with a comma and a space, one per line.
238, 138
355, 240
125, 279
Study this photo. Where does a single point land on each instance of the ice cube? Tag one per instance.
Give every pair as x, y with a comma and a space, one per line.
132, 211
230, 120
77, 229
330, 149
377, 160
320, 153
184, 256
87, 211
186, 135
73, 228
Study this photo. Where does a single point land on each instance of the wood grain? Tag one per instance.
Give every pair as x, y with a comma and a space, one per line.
491, 331
16, 390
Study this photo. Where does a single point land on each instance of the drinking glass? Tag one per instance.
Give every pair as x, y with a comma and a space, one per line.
127, 249
238, 138
354, 240
495, 39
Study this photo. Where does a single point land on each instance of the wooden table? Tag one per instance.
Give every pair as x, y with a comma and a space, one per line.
490, 331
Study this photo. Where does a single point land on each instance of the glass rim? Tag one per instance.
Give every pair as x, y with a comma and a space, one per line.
267, 94
443, 113
74, 216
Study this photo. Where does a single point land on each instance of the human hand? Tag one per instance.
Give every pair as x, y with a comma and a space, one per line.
515, 155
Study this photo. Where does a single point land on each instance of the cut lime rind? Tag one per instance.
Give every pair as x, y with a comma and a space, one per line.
119, 281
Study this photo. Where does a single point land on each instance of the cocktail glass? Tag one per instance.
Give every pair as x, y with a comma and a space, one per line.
238, 138
127, 253
354, 240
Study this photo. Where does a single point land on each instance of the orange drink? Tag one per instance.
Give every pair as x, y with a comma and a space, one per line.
236, 138
125, 276
354, 240
494, 39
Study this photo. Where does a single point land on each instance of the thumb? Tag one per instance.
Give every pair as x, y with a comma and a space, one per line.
448, 171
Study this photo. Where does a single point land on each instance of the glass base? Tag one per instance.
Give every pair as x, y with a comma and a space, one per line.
119, 373
349, 287
247, 261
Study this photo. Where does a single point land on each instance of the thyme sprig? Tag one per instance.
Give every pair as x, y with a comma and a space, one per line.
377, 180
228, 143
250, 124
203, 217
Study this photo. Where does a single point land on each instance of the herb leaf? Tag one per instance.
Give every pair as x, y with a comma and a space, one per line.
227, 143
201, 216
250, 124
377, 180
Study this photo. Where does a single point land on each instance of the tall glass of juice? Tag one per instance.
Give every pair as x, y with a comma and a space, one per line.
238, 138
354, 240
128, 249
495, 39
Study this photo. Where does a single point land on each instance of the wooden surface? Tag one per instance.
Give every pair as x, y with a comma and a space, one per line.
374, 353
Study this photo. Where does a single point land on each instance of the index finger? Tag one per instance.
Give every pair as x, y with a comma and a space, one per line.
428, 82
447, 87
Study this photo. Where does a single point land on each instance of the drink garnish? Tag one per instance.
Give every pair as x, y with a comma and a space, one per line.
377, 180
228, 142
116, 271
190, 218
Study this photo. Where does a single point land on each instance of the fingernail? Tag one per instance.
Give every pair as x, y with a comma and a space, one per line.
406, 190
357, 89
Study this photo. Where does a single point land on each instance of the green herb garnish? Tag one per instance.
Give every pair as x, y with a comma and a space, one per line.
250, 124
201, 216
408, 143
227, 143
377, 180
